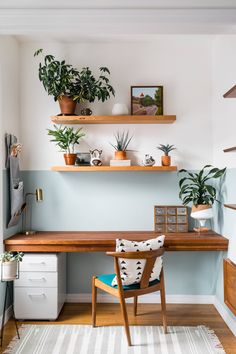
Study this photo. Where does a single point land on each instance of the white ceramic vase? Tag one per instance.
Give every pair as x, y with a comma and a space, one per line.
119, 109
9, 270
202, 213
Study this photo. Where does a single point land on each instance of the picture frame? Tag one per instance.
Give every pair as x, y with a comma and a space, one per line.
147, 100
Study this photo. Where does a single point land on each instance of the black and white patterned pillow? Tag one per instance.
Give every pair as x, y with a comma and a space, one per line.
131, 270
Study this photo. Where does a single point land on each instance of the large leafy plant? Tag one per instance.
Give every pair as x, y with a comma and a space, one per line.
122, 141
89, 88
195, 187
57, 77
65, 137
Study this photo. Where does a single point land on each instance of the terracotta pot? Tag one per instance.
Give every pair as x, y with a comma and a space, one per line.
166, 160
67, 105
120, 155
70, 159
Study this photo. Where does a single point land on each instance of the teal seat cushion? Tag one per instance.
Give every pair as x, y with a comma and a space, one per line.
107, 279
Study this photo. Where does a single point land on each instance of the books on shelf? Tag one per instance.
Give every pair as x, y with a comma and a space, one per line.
120, 162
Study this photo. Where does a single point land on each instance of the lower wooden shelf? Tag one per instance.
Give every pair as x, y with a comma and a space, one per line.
67, 168
230, 206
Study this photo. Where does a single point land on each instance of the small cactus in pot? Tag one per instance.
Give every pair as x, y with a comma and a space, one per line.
166, 159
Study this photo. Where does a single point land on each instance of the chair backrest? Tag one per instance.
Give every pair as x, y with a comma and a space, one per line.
149, 256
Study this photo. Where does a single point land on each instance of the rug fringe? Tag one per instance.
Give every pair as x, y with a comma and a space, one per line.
217, 344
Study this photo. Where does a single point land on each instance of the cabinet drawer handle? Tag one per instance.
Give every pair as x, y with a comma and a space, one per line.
37, 295
37, 263
37, 279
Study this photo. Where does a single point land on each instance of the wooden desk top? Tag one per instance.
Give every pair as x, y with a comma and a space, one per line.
102, 241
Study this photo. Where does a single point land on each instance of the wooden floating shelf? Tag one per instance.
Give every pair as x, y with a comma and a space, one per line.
68, 168
231, 93
230, 149
230, 206
113, 119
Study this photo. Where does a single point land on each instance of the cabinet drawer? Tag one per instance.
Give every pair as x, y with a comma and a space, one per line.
37, 279
35, 303
39, 262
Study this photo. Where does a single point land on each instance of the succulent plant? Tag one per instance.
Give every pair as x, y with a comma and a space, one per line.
166, 148
11, 256
122, 141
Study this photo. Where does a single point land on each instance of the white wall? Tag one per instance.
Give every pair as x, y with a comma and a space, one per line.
182, 64
9, 106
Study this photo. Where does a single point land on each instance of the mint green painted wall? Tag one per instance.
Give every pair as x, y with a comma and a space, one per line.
225, 223
115, 201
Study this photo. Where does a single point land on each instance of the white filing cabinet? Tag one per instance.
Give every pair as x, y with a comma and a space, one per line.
40, 291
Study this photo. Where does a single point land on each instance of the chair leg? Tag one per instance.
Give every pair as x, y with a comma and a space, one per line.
125, 317
163, 305
135, 305
94, 302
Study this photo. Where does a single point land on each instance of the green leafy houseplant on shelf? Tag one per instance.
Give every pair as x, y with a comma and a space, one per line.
122, 141
9, 265
60, 81
196, 189
166, 159
68, 85
66, 138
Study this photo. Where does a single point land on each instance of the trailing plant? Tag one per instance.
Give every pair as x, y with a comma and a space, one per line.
166, 148
194, 187
122, 141
57, 77
65, 137
89, 88
11, 256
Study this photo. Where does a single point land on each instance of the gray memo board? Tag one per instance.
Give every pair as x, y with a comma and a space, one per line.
16, 186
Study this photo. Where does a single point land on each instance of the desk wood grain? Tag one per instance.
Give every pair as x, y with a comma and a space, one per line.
102, 241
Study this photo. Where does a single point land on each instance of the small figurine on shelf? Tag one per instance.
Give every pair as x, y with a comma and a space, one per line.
148, 160
95, 157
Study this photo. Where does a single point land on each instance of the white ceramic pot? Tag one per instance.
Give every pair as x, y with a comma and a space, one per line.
202, 213
8, 270
119, 109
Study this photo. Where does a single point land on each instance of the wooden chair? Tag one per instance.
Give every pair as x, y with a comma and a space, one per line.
126, 291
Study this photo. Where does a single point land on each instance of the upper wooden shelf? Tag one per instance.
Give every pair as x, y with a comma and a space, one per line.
231, 93
68, 168
230, 206
113, 119
230, 149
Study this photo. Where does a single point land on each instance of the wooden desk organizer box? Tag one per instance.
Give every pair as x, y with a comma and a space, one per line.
170, 218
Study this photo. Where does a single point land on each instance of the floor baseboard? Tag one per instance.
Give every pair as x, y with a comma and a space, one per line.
231, 323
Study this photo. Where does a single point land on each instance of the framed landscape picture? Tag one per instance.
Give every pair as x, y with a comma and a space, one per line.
147, 100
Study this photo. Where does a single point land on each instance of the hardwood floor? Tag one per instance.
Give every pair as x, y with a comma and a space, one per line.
148, 314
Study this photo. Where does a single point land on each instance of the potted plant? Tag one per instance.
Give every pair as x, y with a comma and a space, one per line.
122, 141
166, 159
89, 88
68, 85
195, 189
9, 265
60, 81
66, 138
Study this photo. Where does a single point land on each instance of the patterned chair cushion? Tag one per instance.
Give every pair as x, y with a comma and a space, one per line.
131, 270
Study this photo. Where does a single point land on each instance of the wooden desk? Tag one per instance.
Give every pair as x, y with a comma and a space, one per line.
102, 241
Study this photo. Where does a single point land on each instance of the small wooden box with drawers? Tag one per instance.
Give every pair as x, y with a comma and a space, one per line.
170, 218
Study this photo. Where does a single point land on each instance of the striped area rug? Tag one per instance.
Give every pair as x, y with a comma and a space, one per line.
77, 339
